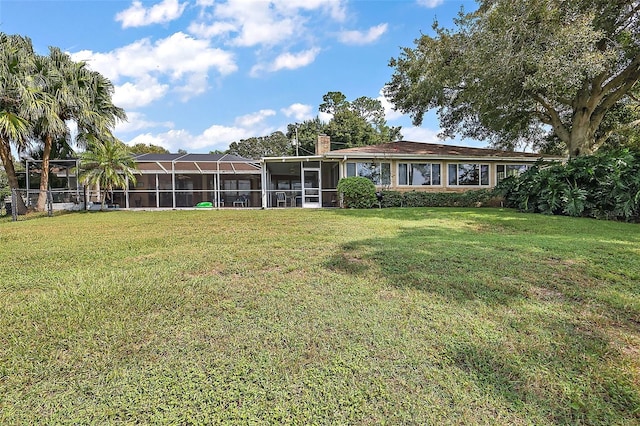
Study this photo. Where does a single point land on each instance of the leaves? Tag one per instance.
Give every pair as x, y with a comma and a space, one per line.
513, 71
605, 185
274, 145
107, 164
357, 192
40, 95
360, 122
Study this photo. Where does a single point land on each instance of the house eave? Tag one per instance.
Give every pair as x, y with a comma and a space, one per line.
291, 159
431, 157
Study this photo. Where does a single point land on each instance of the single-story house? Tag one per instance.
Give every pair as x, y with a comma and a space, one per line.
184, 180
311, 181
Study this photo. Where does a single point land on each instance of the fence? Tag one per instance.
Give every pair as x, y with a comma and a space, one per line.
56, 199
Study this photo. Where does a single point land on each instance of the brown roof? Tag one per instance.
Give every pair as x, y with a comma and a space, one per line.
408, 148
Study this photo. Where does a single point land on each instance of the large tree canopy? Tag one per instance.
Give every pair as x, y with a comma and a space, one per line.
515, 71
360, 122
274, 145
356, 123
142, 148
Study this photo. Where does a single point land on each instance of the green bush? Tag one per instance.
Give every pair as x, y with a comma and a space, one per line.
357, 192
5, 191
392, 199
604, 186
473, 198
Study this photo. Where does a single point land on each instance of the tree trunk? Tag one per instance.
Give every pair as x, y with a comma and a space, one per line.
44, 174
7, 162
581, 139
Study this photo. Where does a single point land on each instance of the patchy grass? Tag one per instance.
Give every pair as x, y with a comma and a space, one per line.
394, 316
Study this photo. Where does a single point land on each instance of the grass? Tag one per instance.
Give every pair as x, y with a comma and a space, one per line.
394, 316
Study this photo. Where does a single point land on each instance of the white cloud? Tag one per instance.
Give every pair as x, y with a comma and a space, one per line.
325, 117
336, 9
389, 113
149, 139
298, 111
209, 31
420, 134
287, 61
266, 23
194, 85
251, 120
137, 15
215, 137
219, 137
145, 71
179, 54
360, 37
138, 121
293, 61
143, 92
174, 56
430, 3
257, 23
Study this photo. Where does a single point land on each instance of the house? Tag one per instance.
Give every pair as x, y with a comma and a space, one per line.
311, 181
184, 180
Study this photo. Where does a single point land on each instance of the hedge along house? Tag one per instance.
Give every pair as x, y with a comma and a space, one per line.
399, 166
184, 180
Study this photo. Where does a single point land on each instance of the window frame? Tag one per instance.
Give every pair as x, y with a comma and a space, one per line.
408, 173
481, 175
355, 167
506, 174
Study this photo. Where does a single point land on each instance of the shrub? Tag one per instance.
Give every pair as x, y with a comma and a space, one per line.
605, 185
357, 192
473, 198
5, 191
392, 199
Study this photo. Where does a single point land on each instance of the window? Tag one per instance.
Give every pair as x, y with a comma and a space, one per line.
143, 182
468, 174
378, 173
418, 174
237, 184
507, 170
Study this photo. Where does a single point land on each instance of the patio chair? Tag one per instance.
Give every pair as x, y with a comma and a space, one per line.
281, 199
242, 201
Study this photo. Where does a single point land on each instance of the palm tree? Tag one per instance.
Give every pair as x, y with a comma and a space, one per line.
107, 164
50, 122
77, 94
19, 100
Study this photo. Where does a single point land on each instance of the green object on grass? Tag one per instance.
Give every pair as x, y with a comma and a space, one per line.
204, 204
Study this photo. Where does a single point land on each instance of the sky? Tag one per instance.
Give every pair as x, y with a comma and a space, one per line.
199, 74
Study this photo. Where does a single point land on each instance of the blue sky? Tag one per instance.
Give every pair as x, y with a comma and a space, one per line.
200, 74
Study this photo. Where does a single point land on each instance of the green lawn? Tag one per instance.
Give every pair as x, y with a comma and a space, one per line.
394, 316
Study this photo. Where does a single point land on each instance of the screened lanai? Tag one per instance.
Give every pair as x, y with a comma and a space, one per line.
300, 182
184, 180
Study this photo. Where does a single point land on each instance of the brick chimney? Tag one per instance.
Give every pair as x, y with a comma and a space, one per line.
323, 145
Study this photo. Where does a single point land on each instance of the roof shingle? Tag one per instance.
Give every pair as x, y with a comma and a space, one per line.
431, 149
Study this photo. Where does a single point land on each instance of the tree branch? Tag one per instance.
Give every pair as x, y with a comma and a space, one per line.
554, 119
630, 73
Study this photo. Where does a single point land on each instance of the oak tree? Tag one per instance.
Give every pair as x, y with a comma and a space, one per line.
514, 71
